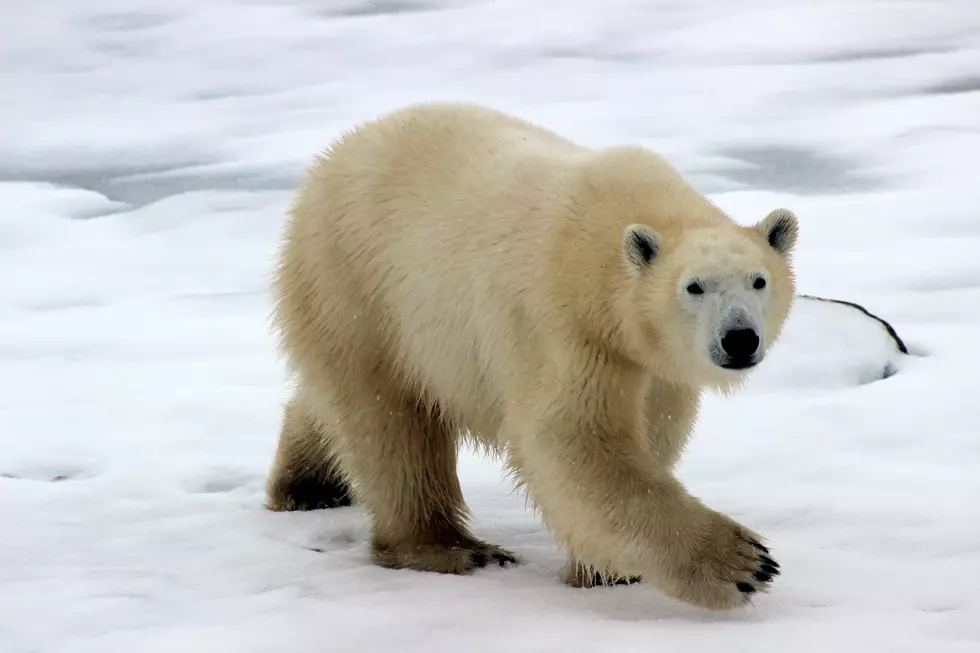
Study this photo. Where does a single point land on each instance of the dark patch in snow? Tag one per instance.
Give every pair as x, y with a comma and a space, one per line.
879, 53
138, 187
954, 86
146, 191
794, 169
231, 93
889, 371
47, 475
384, 7
126, 21
581, 54
102, 179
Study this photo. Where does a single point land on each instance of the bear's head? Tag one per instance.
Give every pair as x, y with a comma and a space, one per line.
707, 304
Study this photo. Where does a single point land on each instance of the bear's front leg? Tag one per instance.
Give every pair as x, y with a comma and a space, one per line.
623, 515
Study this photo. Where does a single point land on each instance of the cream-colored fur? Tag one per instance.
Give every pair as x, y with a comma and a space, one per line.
451, 269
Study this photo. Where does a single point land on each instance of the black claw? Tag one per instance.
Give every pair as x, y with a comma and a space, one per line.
766, 560
615, 580
758, 546
761, 577
745, 588
504, 559
769, 569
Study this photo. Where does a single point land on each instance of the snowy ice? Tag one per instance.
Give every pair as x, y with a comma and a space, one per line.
148, 150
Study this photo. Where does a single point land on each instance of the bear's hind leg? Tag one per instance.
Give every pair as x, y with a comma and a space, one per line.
305, 474
402, 459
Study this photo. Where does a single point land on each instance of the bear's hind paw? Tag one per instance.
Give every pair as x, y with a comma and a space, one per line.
446, 559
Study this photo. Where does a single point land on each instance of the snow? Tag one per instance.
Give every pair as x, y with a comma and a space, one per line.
149, 149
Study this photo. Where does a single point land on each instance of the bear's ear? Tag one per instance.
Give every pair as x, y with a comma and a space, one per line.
780, 229
640, 246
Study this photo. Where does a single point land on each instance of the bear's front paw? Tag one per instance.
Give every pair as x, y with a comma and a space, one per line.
726, 565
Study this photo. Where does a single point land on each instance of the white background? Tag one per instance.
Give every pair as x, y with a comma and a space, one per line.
147, 153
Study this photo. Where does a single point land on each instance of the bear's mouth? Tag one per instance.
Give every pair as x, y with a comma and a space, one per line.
739, 365
735, 364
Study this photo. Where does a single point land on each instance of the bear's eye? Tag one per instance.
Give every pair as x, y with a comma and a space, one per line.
759, 283
695, 289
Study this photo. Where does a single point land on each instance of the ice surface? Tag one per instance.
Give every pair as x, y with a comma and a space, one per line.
147, 152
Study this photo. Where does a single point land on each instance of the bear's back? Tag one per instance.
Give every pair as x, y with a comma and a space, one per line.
430, 226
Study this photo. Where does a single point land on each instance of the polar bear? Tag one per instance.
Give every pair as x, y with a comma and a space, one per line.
449, 271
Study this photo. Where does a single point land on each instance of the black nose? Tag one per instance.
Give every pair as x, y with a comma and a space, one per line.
740, 344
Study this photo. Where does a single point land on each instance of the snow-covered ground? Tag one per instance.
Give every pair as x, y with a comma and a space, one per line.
147, 153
